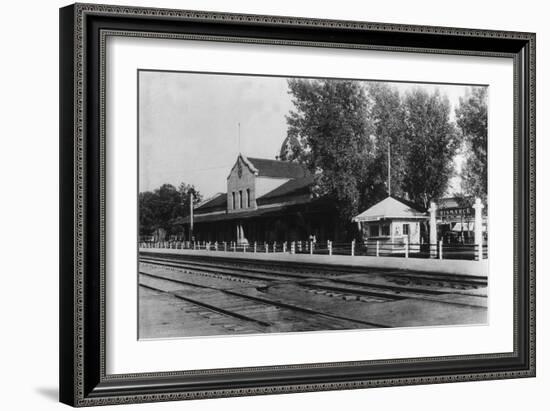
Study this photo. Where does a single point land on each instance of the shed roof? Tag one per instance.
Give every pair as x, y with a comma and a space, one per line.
391, 208
313, 206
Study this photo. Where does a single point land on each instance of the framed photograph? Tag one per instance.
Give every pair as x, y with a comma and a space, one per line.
261, 204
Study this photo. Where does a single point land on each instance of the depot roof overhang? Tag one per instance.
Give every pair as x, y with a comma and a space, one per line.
271, 211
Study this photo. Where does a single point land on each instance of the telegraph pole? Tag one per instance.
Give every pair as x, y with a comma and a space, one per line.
389, 168
191, 198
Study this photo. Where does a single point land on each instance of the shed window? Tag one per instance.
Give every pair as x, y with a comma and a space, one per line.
405, 229
386, 229
374, 231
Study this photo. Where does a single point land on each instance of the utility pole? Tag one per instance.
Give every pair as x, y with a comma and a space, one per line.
389, 168
191, 198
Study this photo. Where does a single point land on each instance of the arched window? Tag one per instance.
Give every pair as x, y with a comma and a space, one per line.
248, 197
240, 198
233, 200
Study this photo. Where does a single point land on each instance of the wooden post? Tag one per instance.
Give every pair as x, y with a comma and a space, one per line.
433, 230
311, 247
329, 247
441, 249
478, 229
352, 248
191, 216
406, 247
266, 248
377, 248
284, 247
293, 248
255, 246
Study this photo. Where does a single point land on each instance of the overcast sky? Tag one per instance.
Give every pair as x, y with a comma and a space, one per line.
189, 124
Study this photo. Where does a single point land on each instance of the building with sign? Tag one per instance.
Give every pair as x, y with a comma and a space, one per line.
456, 220
271, 201
394, 221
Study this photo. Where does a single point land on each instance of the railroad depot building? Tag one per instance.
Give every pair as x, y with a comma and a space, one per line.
271, 201
266, 201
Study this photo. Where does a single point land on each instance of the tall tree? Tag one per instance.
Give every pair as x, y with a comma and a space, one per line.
185, 191
471, 118
331, 121
388, 117
147, 213
160, 209
431, 143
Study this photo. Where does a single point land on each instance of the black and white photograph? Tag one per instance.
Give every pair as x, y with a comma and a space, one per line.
275, 205
272, 204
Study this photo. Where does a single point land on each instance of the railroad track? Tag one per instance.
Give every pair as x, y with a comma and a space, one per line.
332, 284
258, 297
265, 312
301, 268
210, 307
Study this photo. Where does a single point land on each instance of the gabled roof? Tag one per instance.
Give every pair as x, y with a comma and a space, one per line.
391, 207
277, 168
216, 202
292, 188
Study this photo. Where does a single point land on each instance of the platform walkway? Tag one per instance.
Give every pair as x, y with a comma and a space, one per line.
459, 267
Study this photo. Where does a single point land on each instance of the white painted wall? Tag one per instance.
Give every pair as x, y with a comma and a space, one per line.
238, 186
29, 206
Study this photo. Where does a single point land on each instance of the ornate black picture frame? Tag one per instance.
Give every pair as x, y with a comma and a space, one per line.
83, 379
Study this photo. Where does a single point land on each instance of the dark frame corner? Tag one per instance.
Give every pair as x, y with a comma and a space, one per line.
83, 381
